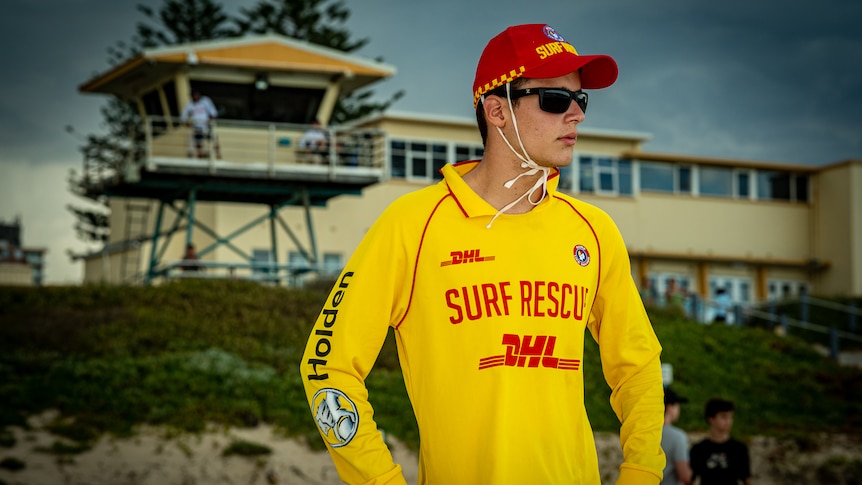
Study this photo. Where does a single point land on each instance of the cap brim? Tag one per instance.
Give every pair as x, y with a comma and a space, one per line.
597, 71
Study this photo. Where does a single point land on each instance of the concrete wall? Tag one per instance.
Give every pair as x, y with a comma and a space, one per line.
838, 219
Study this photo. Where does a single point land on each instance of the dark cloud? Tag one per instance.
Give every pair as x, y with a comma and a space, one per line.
749, 79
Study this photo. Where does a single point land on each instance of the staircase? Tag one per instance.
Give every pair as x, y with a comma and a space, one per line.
137, 215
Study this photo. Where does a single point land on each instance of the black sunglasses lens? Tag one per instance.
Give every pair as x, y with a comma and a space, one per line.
554, 101
558, 100
581, 99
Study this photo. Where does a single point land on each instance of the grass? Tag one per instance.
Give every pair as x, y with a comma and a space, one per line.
191, 353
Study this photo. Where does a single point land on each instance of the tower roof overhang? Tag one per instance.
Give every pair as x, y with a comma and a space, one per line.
259, 54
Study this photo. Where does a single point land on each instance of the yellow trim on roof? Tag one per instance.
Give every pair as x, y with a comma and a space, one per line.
272, 55
93, 84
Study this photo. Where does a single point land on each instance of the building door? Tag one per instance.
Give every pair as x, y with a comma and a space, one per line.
661, 282
737, 287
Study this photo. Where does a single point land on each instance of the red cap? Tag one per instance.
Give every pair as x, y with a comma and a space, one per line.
537, 51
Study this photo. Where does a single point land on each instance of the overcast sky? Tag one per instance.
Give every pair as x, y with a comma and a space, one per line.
747, 79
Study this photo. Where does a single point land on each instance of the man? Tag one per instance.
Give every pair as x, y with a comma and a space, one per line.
489, 279
199, 113
722, 304
720, 459
314, 144
674, 442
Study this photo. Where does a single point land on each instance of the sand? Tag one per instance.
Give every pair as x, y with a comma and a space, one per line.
154, 456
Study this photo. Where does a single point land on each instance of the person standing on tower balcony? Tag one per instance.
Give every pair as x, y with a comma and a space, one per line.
199, 114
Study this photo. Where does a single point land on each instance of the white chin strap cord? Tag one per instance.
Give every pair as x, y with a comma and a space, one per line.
526, 162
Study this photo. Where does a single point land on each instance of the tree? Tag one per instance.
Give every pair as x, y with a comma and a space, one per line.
358, 105
92, 226
184, 22
177, 21
310, 20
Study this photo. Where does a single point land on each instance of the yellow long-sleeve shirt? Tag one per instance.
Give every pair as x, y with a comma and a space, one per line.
490, 332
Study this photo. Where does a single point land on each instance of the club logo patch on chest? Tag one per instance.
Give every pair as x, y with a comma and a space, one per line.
582, 256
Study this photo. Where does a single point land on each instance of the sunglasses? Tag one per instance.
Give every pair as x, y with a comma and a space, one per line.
551, 100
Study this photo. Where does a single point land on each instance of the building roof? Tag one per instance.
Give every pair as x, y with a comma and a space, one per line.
466, 121
728, 162
264, 53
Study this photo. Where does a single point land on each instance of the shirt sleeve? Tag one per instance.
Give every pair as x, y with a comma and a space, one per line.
677, 449
630, 355
695, 460
745, 460
211, 109
344, 344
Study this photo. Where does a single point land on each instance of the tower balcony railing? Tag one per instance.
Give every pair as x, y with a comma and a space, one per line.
232, 147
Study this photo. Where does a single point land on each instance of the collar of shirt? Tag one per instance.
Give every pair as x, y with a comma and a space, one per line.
474, 206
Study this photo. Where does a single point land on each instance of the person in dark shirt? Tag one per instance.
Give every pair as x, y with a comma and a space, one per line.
720, 459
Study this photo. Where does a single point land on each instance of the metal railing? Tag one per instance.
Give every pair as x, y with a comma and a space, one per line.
260, 271
272, 143
268, 146
828, 323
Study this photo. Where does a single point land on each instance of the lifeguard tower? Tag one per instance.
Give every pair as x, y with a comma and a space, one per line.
164, 198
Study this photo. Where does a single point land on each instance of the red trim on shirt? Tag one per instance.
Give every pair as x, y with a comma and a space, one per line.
416, 262
598, 247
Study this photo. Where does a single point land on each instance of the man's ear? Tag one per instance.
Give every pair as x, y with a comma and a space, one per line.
494, 112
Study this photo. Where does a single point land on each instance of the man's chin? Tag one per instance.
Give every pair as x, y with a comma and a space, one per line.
555, 163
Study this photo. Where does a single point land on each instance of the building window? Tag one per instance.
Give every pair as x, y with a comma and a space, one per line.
438, 160
261, 260
773, 185
423, 160
602, 175
398, 159
683, 178
776, 185
297, 261
607, 175
332, 264
33, 258
743, 185
745, 291
786, 289
801, 194
153, 105
625, 185
661, 282
468, 152
657, 177
665, 177
276, 104
738, 288
586, 174
566, 179
716, 181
